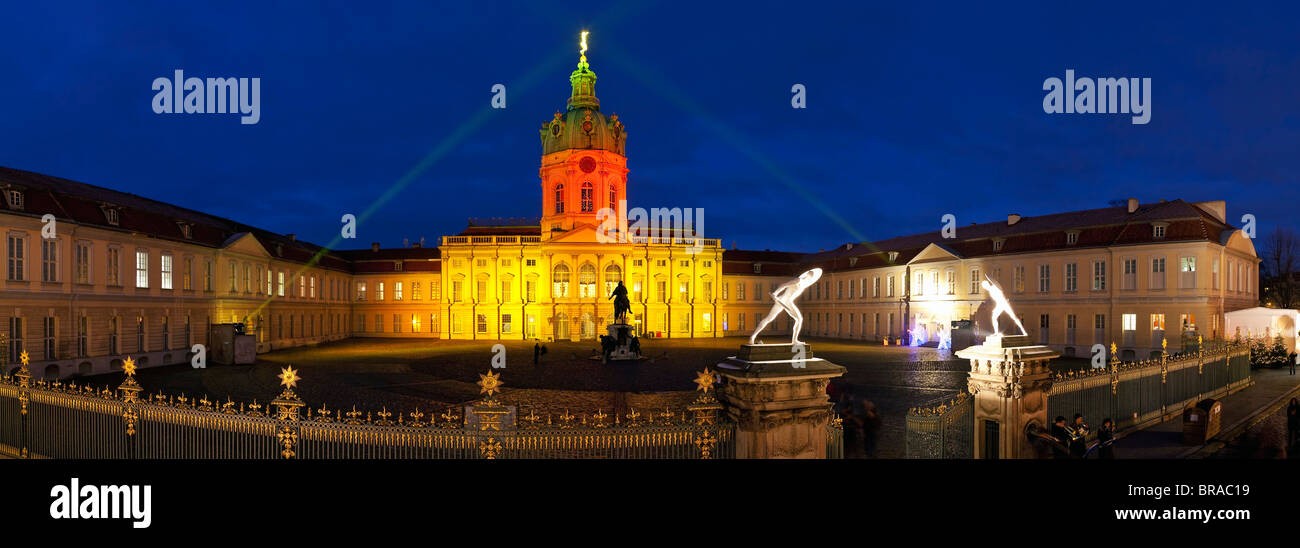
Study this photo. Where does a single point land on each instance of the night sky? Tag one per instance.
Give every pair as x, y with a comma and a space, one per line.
383, 111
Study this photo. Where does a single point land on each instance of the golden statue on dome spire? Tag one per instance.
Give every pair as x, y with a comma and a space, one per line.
583, 52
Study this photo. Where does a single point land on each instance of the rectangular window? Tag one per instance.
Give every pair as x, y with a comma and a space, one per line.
457, 292
1099, 276
83, 262
1158, 273
480, 290
889, 285
505, 323
49, 260
505, 291
415, 291
740, 291
918, 286
1214, 274
379, 291
279, 284
311, 289
82, 336
974, 281
950, 281
397, 291
187, 276
875, 287
47, 337
397, 323
1071, 277
1130, 273
165, 272
435, 290
1018, 278
480, 325
530, 290
361, 291
1044, 278
1187, 272
17, 257
1129, 322
302, 286
141, 269
15, 338
684, 292
113, 268
707, 286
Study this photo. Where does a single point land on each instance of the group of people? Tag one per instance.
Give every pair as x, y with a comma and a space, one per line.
1070, 440
860, 418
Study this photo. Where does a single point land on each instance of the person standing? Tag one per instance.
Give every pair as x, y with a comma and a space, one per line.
537, 352
1106, 439
1060, 450
1291, 358
1078, 432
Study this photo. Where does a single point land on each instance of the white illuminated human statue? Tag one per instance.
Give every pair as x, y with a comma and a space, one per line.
1001, 305
783, 301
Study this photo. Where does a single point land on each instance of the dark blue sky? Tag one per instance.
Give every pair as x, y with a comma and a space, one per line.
912, 112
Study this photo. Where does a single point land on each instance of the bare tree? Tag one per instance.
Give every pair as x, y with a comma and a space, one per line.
1280, 267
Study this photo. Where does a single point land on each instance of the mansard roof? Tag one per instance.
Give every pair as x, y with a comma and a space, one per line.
1101, 227
85, 205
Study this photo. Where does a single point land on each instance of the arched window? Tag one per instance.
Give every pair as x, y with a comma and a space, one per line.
560, 281
613, 274
559, 199
588, 199
587, 280
613, 199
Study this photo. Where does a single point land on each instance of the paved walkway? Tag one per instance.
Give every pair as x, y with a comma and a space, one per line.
1272, 388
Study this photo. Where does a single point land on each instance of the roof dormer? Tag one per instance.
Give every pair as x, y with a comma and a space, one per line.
1158, 230
15, 198
1071, 237
112, 213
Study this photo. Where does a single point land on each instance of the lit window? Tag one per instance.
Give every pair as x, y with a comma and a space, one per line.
142, 269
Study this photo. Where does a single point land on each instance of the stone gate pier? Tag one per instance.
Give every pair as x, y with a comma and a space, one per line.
776, 394
1009, 380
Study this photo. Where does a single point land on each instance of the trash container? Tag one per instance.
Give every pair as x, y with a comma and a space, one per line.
1201, 422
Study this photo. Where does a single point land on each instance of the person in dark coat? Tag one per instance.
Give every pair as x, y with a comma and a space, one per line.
1078, 437
1106, 439
1062, 437
537, 352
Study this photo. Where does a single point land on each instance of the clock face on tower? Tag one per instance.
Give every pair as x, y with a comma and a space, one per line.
587, 164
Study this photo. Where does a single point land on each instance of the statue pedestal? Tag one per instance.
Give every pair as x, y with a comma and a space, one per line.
623, 350
776, 394
1009, 380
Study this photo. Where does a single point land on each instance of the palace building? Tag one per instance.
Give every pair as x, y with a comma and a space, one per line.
121, 275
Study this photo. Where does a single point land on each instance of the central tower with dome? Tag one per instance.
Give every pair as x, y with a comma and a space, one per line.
584, 163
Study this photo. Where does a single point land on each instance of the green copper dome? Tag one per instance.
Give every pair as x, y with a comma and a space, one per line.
582, 125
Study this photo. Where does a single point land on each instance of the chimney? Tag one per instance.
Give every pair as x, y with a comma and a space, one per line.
374, 246
1012, 219
406, 242
417, 245
292, 237
1132, 205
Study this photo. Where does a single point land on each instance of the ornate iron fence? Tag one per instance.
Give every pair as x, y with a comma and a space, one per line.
1135, 393
1132, 394
56, 420
941, 428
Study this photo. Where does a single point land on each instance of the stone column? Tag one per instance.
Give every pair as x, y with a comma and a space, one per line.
1010, 382
778, 401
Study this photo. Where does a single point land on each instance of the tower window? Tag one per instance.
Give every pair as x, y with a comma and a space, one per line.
613, 202
588, 201
559, 199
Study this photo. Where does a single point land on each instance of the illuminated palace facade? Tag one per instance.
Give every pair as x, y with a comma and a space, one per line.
122, 275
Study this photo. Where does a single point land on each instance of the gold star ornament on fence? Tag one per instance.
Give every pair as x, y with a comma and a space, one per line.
704, 380
489, 384
128, 367
288, 377
25, 358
